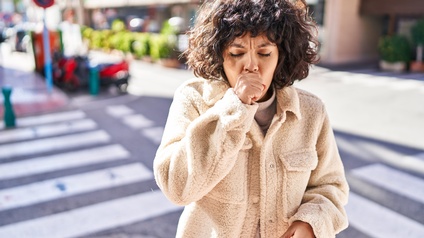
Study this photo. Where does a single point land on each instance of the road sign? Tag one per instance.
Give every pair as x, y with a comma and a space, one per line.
44, 3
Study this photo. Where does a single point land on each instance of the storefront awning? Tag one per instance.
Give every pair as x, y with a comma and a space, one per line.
390, 7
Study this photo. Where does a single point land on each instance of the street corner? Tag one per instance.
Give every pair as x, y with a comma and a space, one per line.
28, 102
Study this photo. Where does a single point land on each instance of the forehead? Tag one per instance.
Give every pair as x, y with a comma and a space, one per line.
247, 40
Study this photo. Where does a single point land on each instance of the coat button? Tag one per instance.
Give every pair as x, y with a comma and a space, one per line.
255, 199
271, 166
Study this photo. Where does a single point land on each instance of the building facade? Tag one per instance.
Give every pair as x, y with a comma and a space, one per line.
351, 29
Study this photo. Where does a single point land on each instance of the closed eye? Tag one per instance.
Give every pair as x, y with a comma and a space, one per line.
236, 55
265, 55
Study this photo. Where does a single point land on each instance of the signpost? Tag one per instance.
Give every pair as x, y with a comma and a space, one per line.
44, 3
48, 68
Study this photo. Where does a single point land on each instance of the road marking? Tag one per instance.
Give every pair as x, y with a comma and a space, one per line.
47, 130
63, 161
137, 121
94, 218
373, 152
119, 111
379, 222
393, 180
53, 117
154, 134
52, 144
43, 191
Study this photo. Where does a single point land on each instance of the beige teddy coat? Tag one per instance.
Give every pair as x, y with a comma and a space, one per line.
214, 159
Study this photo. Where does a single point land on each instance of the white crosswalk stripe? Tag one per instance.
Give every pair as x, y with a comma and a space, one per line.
71, 185
380, 222
393, 180
90, 219
136, 121
376, 220
47, 130
69, 140
62, 161
49, 118
154, 134
53, 144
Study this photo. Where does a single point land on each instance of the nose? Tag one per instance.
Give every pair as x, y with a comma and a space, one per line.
251, 64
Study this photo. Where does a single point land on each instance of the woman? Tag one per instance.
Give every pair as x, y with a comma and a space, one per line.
248, 154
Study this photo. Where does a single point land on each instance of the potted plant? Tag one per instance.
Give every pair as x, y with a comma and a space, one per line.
417, 34
395, 52
164, 47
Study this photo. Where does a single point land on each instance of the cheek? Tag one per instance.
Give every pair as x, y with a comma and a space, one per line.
231, 72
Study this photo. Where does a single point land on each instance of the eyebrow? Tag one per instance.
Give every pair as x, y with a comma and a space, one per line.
237, 45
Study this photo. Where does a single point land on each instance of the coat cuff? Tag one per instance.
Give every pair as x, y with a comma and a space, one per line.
233, 113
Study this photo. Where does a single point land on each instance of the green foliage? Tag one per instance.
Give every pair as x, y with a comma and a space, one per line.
163, 46
158, 46
86, 32
141, 44
122, 41
394, 48
168, 29
417, 32
118, 25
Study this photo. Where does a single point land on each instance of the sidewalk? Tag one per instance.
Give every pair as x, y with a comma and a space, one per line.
30, 95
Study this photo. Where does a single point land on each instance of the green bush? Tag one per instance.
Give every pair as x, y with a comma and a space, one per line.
168, 29
163, 46
394, 48
86, 32
118, 25
417, 32
141, 45
122, 41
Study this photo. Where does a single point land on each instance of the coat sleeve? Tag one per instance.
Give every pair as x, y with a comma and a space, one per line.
327, 192
199, 149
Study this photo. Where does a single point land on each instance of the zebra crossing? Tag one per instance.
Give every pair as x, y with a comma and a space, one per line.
70, 140
63, 141
376, 220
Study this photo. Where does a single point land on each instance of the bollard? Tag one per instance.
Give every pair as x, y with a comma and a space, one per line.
93, 81
9, 115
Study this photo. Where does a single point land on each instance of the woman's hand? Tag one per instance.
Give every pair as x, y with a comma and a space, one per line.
299, 229
249, 87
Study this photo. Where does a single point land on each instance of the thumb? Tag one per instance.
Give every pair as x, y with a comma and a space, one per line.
289, 233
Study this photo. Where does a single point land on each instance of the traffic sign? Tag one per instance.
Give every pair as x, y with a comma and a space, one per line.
44, 3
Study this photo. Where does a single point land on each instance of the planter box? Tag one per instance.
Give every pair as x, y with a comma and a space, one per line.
170, 63
416, 66
392, 67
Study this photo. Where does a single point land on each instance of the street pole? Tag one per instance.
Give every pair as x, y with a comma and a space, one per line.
80, 13
47, 56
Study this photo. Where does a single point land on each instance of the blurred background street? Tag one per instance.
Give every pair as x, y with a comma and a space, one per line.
78, 162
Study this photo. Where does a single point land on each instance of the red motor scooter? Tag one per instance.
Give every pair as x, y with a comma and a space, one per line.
72, 73
115, 73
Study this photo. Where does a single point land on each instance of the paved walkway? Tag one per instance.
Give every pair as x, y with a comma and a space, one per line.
30, 95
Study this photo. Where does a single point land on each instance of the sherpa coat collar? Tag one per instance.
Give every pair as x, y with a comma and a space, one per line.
214, 159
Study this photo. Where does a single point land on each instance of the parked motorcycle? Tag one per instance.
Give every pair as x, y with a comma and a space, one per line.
72, 73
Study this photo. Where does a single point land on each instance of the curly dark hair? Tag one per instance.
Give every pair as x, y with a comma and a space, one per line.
285, 22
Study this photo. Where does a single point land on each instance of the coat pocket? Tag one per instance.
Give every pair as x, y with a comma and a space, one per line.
297, 168
300, 161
